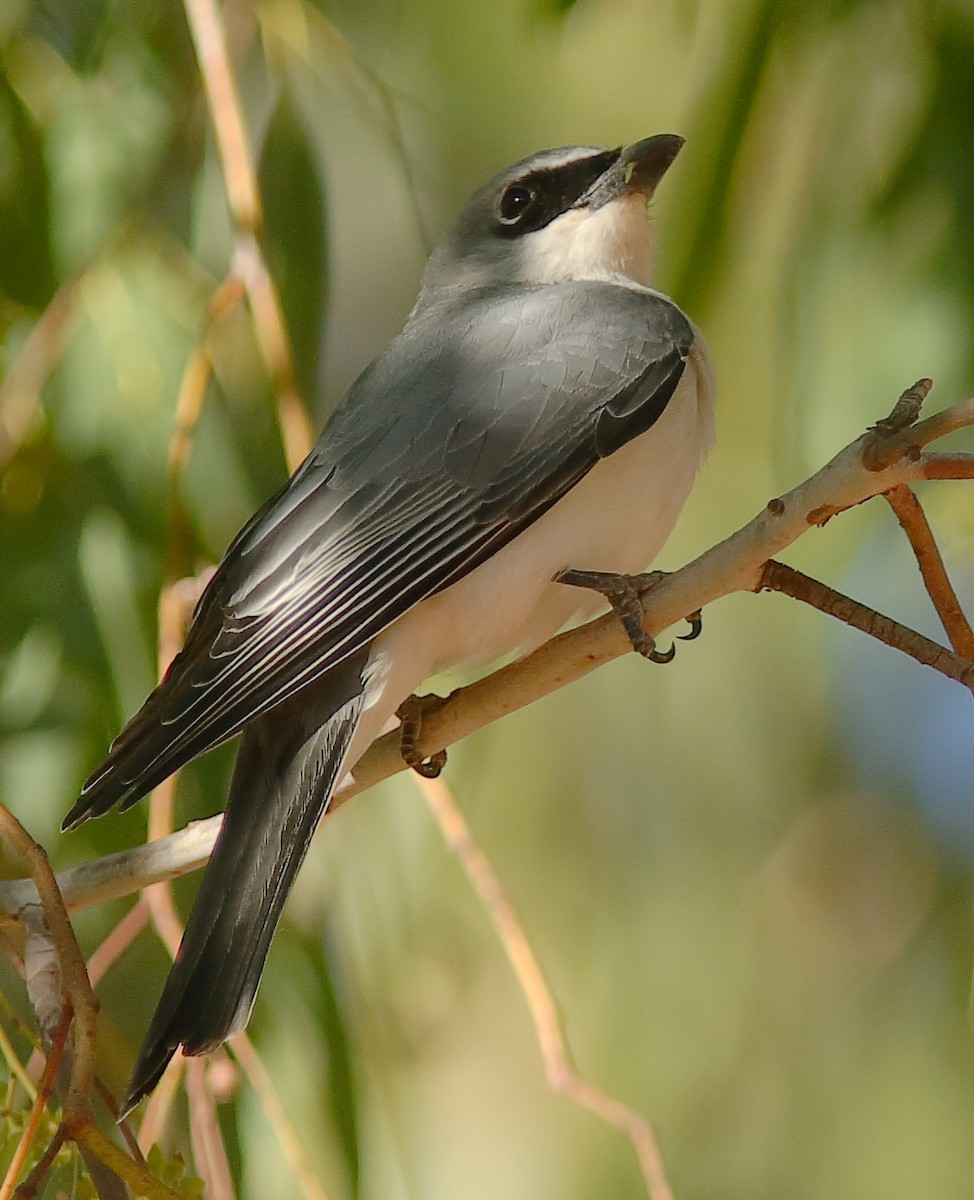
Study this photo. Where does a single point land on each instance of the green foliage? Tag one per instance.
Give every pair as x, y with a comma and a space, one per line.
67, 1176
294, 221
26, 270
172, 1171
748, 874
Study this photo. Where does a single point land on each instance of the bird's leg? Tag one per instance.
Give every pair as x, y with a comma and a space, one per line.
624, 593
411, 713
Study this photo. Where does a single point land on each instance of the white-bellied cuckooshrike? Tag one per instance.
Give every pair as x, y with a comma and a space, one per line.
542, 414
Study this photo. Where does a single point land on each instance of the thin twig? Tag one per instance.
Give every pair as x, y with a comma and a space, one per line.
124, 1127
159, 899
948, 466
243, 197
77, 989
56, 1052
20, 389
116, 875
242, 1049
223, 99
172, 630
913, 521
81, 1010
559, 1070
777, 577
733, 565
209, 1153
114, 945
15, 1067
160, 1104
196, 378
32, 1184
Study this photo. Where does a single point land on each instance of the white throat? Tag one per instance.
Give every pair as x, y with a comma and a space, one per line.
612, 243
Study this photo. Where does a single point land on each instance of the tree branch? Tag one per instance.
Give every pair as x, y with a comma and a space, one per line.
913, 521
734, 565
777, 577
560, 1072
243, 197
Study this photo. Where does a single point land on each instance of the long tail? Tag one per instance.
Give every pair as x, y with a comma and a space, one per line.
285, 772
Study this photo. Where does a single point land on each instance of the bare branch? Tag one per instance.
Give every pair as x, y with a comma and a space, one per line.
243, 197
118, 941
209, 1152
160, 1104
32, 1184
117, 875
223, 98
780, 578
196, 379
559, 1070
948, 466
242, 1049
44, 1091
914, 523
735, 564
74, 978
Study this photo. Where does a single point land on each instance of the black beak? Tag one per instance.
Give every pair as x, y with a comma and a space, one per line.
638, 169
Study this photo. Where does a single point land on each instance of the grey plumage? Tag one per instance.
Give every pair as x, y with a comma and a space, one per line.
433, 461
283, 777
494, 443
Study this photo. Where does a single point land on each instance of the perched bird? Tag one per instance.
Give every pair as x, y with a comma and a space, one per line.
543, 411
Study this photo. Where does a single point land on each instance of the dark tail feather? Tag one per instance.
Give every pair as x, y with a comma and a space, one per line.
283, 778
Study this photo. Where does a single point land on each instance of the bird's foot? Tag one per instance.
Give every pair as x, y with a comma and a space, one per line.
625, 593
411, 713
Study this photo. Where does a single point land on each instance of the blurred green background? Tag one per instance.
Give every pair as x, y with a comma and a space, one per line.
747, 874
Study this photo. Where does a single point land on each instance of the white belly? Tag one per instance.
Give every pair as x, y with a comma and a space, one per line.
615, 519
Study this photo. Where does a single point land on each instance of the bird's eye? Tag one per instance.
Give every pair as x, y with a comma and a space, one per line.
515, 202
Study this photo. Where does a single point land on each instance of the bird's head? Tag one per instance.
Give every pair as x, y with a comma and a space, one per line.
575, 213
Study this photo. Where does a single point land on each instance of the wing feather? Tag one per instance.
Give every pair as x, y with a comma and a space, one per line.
476, 420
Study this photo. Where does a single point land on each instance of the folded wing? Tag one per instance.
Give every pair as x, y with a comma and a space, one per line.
475, 421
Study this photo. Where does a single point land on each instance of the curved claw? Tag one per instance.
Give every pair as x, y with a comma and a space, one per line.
430, 767
623, 593
660, 656
695, 621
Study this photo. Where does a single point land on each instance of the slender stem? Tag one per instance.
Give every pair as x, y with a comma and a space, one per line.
913, 521
242, 1049
243, 197
560, 1072
780, 578
56, 1052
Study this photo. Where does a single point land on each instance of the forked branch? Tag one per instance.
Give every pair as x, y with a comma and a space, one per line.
739, 563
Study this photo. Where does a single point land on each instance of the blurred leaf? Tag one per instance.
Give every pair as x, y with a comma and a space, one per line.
30, 675
556, 9
941, 163
717, 136
173, 190
171, 1170
342, 1098
295, 240
26, 270
109, 573
74, 30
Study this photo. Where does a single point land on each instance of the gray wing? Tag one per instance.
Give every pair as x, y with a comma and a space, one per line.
474, 422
